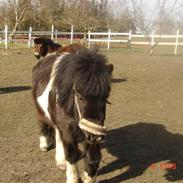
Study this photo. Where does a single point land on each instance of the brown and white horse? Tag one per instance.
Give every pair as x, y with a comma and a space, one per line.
45, 47
70, 93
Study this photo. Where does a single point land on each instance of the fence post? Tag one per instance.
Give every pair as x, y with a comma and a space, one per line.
56, 36
30, 37
52, 32
129, 40
6, 37
152, 41
72, 33
176, 42
109, 38
89, 39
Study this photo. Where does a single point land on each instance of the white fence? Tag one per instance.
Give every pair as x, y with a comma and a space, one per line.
103, 37
128, 39
28, 36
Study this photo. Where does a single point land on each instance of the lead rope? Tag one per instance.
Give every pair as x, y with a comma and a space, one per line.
77, 105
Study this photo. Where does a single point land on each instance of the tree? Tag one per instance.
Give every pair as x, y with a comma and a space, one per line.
123, 22
85, 14
15, 14
158, 19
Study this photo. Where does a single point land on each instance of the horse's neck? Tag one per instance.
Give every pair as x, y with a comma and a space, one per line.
52, 53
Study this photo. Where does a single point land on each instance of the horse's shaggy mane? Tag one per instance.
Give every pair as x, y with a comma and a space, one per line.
88, 72
46, 41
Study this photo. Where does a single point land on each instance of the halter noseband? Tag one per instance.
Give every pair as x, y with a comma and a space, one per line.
87, 125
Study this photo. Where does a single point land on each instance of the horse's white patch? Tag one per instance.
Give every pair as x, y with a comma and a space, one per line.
43, 143
49, 54
60, 154
43, 99
36, 53
72, 173
87, 179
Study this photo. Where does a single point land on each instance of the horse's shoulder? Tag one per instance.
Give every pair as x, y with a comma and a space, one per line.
43, 66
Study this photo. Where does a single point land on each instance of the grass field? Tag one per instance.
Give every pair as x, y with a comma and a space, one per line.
144, 142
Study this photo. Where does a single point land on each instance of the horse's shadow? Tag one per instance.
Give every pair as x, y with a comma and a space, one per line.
139, 146
14, 89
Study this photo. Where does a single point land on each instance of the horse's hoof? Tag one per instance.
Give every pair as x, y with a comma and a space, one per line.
87, 179
80, 180
43, 149
50, 147
62, 166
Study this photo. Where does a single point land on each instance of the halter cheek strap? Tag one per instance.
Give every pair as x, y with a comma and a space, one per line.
87, 125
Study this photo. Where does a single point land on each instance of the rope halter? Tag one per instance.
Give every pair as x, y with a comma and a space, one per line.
87, 125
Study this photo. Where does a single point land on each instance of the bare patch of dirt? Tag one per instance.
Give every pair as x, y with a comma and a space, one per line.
145, 127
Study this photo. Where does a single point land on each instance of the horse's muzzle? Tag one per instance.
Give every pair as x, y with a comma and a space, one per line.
93, 132
37, 55
94, 139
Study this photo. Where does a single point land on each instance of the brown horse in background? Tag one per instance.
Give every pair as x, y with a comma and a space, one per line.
45, 46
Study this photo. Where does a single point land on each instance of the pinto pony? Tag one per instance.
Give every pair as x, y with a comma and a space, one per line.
45, 47
70, 92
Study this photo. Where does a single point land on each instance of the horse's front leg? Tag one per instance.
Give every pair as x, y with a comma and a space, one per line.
59, 150
72, 155
92, 162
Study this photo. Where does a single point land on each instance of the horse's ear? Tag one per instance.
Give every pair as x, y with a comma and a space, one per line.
35, 40
110, 68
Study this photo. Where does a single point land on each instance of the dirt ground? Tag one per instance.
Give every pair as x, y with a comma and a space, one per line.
144, 143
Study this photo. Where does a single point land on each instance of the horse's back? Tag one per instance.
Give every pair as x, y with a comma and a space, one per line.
41, 74
72, 48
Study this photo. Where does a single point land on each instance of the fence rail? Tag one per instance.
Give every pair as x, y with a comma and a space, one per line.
127, 38
105, 37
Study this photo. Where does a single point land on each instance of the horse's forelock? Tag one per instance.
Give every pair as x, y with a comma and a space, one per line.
39, 40
92, 76
43, 40
88, 71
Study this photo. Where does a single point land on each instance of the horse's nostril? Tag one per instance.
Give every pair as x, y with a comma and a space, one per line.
94, 138
100, 139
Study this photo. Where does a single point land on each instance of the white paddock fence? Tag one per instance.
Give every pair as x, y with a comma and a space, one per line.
100, 37
131, 39
28, 36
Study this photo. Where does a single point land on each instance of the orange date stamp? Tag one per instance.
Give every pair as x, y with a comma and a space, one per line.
163, 166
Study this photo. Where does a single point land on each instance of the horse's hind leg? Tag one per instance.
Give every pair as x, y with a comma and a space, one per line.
92, 162
47, 137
